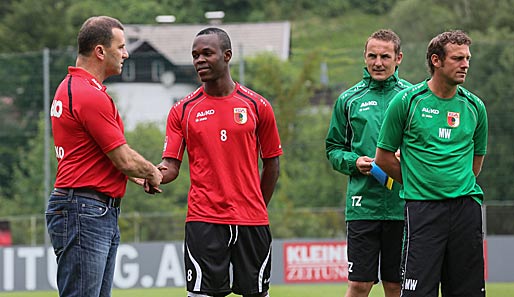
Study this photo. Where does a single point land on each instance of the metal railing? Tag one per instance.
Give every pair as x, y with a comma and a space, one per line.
286, 223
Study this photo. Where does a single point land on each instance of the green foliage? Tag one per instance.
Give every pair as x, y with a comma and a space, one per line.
376, 7
21, 91
420, 20
134, 12
491, 65
28, 188
34, 24
337, 41
148, 140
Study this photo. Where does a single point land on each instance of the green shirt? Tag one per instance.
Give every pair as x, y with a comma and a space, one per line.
353, 132
438, 139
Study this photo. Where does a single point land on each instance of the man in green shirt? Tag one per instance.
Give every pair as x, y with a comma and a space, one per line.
374, 214
441, 130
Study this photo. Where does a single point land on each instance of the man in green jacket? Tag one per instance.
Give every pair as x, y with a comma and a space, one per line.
374, 213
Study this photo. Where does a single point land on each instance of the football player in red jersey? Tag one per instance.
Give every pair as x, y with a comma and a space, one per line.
225, 129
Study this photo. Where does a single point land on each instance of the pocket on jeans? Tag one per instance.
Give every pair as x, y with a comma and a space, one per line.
92, 209
57, 224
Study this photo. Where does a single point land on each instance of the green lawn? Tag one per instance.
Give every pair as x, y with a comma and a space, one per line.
336, 290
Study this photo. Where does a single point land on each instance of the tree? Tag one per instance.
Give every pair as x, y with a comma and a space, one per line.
21, 90
28, 195
32, 25
420, 20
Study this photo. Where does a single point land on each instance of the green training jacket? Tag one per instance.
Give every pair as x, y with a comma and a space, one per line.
356, 120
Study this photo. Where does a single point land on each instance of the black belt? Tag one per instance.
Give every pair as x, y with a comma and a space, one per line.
92, 194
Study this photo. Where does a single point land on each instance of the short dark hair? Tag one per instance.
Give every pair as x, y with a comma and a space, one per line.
437, 45
388, 36
225, 43
96, 30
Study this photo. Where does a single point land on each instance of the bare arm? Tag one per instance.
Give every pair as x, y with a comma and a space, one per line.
132, 164
170, 169
388, 161
269, 177
477, 164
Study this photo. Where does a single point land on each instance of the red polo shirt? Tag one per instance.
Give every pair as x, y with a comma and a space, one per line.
83, 138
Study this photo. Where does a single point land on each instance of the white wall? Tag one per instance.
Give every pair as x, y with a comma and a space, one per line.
146, 102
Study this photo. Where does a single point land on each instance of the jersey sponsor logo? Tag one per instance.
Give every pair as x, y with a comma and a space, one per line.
366, 105
59, 152
240, 115
410, 284
453, 119
56, 109
428, 112
202, 115
369, 103
205, 113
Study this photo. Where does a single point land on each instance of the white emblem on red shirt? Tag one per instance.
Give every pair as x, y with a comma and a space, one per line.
240, 115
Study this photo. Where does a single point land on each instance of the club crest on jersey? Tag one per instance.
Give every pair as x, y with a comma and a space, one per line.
240, 115
453, 119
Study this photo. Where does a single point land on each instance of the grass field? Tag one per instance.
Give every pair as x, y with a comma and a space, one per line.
336, 290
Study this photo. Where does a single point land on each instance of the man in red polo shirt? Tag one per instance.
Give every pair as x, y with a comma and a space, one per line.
94, 163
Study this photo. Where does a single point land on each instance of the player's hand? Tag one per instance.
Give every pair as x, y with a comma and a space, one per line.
364, 164
151, 189
161, 167
151, 186
138, 181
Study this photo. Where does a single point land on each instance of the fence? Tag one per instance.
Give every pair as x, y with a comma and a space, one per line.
325, 223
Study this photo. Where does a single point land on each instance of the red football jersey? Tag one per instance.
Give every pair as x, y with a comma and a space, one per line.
224, 136
83, 138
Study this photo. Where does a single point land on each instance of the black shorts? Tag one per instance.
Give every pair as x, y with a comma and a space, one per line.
210, 250
444, 243
370, 243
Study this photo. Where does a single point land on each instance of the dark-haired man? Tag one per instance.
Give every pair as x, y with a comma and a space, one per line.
225, 128
441, 129
94, 163
374, 213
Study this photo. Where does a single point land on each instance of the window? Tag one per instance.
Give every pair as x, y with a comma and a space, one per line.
157, 70
129, 71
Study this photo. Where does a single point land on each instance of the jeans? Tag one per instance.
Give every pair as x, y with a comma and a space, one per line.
85, 237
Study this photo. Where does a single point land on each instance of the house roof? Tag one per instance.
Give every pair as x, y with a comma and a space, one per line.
174, 41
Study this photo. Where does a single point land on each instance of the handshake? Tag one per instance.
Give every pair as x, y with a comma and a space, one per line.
153, 180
